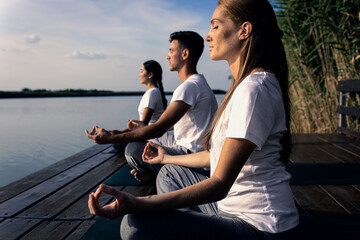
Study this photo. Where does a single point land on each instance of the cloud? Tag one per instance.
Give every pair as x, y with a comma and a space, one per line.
32, 38
87, 55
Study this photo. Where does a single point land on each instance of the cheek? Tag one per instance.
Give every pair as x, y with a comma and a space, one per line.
227, 35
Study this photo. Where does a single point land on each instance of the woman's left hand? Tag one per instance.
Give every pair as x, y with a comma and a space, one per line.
154, 154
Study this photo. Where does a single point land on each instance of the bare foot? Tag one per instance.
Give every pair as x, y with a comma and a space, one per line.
143, 176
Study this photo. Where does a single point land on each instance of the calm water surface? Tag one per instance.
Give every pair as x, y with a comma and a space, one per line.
40, 131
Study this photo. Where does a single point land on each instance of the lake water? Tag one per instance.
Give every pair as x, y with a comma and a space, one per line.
36, 132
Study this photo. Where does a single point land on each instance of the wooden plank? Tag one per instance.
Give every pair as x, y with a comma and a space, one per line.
351, 85
80, 230
54, 204
33, 179
30, 197
322, 173
338, 153
351, 145
299, 156
315, 202
313, 154
352, 111
328, 147
345, 195
80, 210
140, 190
54, 230
335, 138
15, 228
302, 138
349, 132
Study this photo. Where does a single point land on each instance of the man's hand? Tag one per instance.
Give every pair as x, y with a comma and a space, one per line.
124, 203
154, 154
99, 135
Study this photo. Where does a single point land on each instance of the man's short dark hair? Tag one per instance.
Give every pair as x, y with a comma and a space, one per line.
190, 40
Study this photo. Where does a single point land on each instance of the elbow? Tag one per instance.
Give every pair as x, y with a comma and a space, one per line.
156, 131
221, 195
221, 189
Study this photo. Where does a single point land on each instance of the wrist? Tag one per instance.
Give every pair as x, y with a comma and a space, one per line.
165, 159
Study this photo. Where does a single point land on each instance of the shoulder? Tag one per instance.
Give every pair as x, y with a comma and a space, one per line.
154, 91
256, 81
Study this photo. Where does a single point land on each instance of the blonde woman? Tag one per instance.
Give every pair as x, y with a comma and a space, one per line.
247, 195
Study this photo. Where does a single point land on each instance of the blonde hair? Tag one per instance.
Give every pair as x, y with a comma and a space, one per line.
262, 49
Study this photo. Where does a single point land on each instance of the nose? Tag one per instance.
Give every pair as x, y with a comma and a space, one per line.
207, 38
167, 57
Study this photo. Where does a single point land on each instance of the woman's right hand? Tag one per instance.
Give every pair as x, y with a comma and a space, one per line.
124, 203
154, 154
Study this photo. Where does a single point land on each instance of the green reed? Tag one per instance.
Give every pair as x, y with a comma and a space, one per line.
322, 39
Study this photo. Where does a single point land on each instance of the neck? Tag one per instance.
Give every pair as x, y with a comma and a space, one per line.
185, 72
235, 67
150, 85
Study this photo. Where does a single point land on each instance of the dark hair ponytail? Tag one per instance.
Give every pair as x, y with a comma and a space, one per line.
154, 67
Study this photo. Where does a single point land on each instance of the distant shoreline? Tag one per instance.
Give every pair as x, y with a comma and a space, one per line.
42, 93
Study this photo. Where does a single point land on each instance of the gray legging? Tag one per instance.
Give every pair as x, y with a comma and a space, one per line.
199, 222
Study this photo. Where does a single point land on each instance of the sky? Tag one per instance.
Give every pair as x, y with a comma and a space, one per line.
93, 44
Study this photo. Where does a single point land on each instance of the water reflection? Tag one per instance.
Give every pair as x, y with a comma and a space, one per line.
40, 131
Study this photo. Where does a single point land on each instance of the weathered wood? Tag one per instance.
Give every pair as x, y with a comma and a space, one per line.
345, 195
315, 202
33, 179
314, 154
15, 228
140, 190
349, 111
79, 210
322, 173
63, 198
41, 191
317, 159
343, 142
54, 230
349, 132
80, 230
351, 85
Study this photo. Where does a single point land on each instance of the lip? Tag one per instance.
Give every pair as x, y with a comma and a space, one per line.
211, 48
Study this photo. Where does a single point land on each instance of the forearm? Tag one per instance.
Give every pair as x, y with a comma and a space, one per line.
119, 131
194, 160
140, 134
209, 190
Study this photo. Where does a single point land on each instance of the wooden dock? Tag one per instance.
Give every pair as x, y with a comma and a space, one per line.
52, 203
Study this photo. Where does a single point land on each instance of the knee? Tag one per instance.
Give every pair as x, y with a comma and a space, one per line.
165, 173
168, 179
133, 152
134, 226
130, 149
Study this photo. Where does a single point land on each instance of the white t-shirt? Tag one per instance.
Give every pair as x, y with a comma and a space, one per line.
151, 99
195, 92
261, 194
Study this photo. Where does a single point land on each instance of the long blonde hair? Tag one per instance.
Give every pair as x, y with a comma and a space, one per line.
262, 49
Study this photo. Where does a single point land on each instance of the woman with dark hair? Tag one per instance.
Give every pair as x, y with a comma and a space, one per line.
152, 104
247, 195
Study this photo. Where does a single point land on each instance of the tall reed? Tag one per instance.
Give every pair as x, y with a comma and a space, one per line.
322, 39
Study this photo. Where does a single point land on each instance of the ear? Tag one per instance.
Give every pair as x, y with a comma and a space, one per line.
245, 30
185, 53
151, 75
